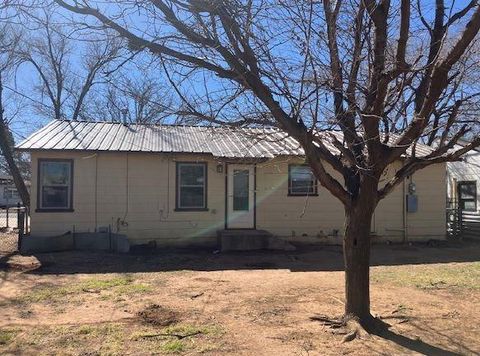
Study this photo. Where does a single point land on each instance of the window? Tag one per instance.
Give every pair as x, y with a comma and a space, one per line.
10, 193
301, 181
55, 185
467, 195
241, 189
191, 186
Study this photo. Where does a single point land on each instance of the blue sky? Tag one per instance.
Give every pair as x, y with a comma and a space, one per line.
28, 120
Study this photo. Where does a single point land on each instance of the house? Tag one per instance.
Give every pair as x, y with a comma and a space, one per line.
181, 185
463, 182
8, 192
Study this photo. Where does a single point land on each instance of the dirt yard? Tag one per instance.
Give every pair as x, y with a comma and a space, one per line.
197, 302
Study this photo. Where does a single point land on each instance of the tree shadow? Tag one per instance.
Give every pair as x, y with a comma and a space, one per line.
305, 259
417, 345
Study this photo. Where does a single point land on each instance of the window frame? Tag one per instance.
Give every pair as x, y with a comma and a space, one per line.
178, 186
460, 200
293, 194
41, 209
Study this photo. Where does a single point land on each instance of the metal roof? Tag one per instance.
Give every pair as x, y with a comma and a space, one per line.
219, 141
107, 136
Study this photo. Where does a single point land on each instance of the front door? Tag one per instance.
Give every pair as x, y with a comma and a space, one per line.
240, 197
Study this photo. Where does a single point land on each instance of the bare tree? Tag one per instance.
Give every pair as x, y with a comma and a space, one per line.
64, 80
140, 98
307, 67
9, 40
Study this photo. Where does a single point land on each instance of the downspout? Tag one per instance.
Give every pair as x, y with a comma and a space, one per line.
96, 192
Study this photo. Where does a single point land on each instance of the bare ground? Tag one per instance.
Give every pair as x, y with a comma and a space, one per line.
197, 302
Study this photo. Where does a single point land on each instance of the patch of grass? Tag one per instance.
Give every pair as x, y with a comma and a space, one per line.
179, 338
86, 329
102, 284
188, 329
113, 338
7, 335
464, 275
178, 330
111, 329
101, 339
133, 289
173, 346
123, 285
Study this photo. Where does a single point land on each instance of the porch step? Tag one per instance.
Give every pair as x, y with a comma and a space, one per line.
249, 240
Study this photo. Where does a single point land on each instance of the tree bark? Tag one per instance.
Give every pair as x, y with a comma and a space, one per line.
7, 150
356, 252
12, 166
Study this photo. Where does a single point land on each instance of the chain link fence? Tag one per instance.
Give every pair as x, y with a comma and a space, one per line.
8, 242
8, 218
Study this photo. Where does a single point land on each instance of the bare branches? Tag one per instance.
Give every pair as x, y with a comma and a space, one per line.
276, 59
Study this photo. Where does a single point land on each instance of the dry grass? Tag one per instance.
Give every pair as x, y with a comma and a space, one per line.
106, 287
436, 276
111, 339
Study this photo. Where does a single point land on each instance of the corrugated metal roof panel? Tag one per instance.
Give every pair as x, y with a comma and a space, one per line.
218, 141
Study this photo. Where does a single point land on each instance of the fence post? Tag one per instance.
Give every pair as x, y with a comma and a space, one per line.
21, 232
21, 220
8, 218
460, 219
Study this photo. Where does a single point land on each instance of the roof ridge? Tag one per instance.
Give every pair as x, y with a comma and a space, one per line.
226, 126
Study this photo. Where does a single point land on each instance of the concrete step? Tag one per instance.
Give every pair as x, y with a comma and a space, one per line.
243, 232
249, 240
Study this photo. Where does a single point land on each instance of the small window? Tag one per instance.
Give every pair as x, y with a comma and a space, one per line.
301, 180
7, 193
191, 186
467, 195
55, 185
10, 193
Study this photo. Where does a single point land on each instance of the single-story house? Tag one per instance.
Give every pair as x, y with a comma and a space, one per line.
8, 192
463, 180
181, 185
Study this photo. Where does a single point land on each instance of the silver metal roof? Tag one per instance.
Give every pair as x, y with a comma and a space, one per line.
219, 141
107, 136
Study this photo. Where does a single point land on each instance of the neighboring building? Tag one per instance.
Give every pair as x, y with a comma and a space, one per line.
180, 185
463, 182
8, 193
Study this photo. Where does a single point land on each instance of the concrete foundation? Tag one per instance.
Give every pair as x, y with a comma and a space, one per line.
249, 240
75, 241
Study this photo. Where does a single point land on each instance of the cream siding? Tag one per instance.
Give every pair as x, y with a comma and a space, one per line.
134, 194
466, 170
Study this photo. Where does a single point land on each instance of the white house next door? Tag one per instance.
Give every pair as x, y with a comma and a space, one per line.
240, 196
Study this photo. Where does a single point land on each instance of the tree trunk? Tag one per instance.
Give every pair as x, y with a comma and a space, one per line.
356, 252
7, 150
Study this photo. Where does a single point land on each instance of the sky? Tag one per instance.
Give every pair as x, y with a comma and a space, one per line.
25, 79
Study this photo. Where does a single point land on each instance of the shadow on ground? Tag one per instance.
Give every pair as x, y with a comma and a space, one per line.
306, 258
415, 345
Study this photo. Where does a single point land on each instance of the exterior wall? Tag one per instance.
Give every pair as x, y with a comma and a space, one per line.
148, 211
134, 194
321, 218
466, 170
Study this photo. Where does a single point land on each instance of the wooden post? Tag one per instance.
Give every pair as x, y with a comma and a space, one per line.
460, 221
21, 225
